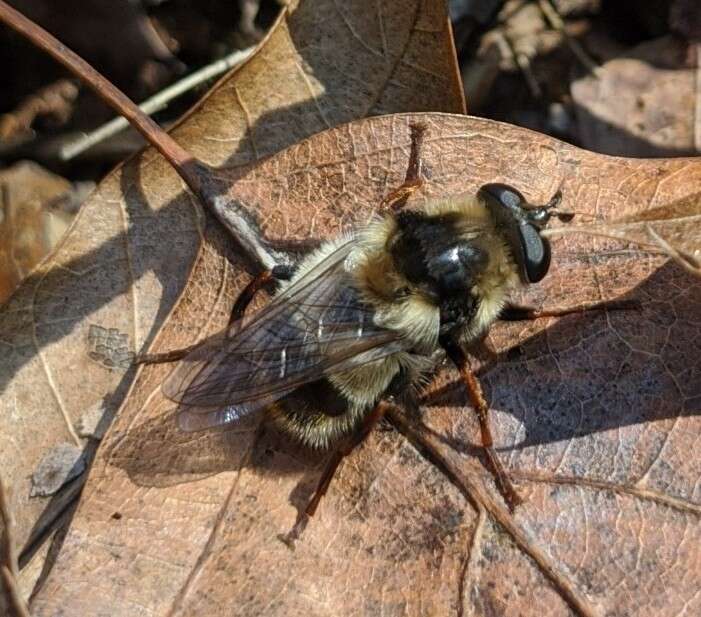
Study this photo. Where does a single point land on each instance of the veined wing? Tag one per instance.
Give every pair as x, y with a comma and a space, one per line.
317, 325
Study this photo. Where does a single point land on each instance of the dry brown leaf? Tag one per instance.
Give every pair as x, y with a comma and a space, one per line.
597, 417
32, 219
643, 103
70, 331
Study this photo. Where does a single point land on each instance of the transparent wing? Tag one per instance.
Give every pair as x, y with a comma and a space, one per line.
316, 326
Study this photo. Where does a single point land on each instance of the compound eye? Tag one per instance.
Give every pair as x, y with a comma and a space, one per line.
520, 228
507, 196
535, 255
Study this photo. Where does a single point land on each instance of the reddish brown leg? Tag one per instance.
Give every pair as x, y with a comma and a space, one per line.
166, 356
237, 312
479, 404
278, 273
515, 312
331, 466
397, 199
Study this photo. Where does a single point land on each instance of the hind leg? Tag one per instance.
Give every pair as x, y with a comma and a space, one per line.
330, 470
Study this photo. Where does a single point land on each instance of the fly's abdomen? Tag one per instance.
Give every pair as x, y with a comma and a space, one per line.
317, 414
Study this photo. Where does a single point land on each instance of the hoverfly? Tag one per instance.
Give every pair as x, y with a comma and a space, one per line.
368, 315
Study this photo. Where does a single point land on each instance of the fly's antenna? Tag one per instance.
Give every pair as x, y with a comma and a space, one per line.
564, 216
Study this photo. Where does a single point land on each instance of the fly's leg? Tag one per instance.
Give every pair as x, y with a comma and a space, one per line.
167, 356
331, 466
456, 353
397, 199
516, 312
278, 273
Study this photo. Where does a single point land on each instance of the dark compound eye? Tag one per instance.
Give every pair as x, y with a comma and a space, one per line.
507, 196
520, 227
536, 253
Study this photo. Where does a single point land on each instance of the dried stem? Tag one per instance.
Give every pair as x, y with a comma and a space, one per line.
155, 103
9, 570
658, 246
689, 262
558, 24
182, 161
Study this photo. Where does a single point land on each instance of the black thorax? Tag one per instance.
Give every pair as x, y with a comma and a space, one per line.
429, 252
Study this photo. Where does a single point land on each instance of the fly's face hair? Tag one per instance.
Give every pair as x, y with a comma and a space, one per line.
444, 267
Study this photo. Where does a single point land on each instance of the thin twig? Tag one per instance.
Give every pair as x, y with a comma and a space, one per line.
210, 188
8, 559
522, 61
658, 246
688, 262
611, 235
558, 24
155, 103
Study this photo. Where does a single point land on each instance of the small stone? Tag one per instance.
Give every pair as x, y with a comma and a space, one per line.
59, 466
91, 424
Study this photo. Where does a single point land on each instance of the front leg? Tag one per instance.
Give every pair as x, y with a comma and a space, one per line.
457, 354
517, 312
